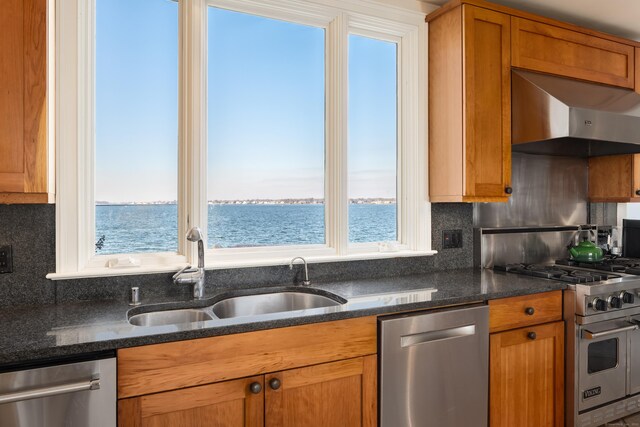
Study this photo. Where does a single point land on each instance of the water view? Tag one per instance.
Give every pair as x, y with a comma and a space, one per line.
153, 227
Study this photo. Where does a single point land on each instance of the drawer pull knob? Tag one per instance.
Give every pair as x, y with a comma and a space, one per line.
274, 383
529, 311
255, 388
532, 335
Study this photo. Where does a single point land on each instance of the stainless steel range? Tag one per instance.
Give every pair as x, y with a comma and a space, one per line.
601, 312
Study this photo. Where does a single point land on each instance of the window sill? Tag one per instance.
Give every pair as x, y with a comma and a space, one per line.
106, 272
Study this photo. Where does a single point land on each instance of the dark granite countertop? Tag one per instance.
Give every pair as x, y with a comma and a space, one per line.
42, 332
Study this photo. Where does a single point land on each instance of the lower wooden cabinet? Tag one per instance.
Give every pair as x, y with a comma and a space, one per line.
341, 393
526, 377
225, 404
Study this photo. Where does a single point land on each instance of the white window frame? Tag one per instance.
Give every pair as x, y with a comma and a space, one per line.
75, 202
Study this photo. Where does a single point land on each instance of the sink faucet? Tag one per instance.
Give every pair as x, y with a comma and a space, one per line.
306, 281
193, 276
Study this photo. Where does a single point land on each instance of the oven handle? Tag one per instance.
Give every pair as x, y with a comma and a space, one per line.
593, 335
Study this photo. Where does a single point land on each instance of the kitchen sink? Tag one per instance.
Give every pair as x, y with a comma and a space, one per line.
169, 317
277, 302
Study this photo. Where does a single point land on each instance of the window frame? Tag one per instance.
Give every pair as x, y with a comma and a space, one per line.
75, 201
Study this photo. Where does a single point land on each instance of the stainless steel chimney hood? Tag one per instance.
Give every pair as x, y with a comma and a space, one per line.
559, 116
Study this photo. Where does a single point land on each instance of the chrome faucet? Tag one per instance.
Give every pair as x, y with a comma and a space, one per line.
193, 276
306, 281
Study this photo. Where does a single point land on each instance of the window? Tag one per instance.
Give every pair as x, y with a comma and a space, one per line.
266, 131
372, 140
136, 129
280, 128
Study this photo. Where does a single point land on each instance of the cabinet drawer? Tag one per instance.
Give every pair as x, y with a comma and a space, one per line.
517, 312
549, 49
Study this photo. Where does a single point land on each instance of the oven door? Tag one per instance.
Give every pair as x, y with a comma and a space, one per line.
633, 382
602, 366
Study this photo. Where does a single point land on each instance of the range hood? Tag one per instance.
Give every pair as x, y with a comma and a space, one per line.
559, 116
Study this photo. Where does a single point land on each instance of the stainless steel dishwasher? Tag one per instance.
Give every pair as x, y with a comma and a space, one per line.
435, 368
77, 394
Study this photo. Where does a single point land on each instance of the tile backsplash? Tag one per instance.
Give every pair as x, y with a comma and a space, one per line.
30, 229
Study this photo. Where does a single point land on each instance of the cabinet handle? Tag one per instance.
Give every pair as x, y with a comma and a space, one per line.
532, 335
274, 383
529, 311
508, 190
255, 388
637, 192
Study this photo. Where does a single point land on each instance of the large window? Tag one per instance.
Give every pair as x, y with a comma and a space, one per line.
278, 127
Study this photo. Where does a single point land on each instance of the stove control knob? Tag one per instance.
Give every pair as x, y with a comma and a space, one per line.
614, 302
627, 297
599, 304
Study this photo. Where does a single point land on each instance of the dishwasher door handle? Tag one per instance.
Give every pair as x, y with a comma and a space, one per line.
38, 393
439, 335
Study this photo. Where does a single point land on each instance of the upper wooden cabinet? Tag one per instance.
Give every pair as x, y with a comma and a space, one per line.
24, 155
614, 178
554, 50
469, 106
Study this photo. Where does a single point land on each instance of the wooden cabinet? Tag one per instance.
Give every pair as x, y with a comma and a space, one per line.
224, 404
469, 106
549, 49
339, 393
24, 154
313, 375
638, 69
526, 375
614, 179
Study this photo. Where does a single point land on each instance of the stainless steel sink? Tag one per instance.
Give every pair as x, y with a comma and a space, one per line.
278, 302
169, 317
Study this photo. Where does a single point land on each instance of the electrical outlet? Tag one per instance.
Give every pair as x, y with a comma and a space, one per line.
451, 239
6, 259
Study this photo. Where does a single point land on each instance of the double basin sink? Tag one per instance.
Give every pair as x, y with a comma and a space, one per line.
240, 306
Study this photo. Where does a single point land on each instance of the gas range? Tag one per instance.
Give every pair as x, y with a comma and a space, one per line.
597, 291
609, 263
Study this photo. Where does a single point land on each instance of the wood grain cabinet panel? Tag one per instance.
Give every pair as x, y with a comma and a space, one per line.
516, 312
527, 377
614, 179
332, 394
325, 373
23, 102
554, 50
224, 404
162, 367
469, 106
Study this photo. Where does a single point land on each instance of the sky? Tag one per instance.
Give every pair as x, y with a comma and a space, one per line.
266, 107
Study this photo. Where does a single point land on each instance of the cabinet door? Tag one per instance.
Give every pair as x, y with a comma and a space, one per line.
23, 90
487, 99
225, 404
527, 377
339, 394
614, 178
554, 50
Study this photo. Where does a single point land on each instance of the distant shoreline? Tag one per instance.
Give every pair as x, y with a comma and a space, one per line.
356, 201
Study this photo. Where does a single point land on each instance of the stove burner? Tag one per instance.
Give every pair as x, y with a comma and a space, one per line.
556, 272
609, 263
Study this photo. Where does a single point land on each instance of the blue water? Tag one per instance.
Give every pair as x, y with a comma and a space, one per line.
153, 228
